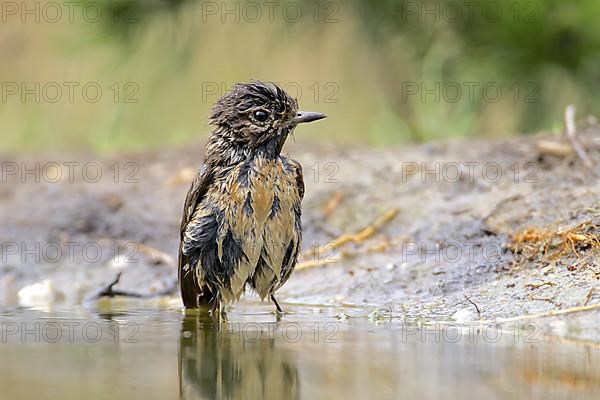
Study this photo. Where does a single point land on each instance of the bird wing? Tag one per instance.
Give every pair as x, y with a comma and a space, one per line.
293, 251
282, 233
187, 281
297, 171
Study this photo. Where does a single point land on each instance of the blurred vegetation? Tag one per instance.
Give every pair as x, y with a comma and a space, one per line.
385, 71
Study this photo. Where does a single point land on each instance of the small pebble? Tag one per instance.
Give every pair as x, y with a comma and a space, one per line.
39, 294
464, 315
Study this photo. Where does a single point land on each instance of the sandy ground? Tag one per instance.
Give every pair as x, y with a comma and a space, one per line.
451, 231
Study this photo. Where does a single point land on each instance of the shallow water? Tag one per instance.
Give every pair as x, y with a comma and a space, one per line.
148, 353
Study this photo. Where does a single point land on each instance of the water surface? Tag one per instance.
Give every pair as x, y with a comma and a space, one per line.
149, 353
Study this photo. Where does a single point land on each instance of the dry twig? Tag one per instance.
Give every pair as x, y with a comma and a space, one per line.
546, 299
551, 313
344, 239
553, 148
333, 203
110, 291
565, 241
539, 285
474, 305
571, 133
589, 296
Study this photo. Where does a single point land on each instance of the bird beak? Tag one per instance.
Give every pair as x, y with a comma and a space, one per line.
307, 116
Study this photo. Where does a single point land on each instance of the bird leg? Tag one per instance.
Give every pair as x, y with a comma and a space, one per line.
216, 308
279, 309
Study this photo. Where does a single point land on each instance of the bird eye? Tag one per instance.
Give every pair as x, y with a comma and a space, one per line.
261, 115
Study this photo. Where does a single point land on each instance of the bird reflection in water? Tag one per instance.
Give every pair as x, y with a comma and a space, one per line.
233, 361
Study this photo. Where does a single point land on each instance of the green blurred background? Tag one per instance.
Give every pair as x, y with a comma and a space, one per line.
112, 76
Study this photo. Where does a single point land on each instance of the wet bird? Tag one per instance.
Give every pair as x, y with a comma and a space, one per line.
241, 223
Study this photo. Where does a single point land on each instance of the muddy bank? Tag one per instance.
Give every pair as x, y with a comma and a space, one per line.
451, 231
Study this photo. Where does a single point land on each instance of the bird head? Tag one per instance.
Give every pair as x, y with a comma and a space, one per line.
258, 115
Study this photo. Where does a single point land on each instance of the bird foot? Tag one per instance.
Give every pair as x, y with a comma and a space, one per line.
217, 310
277, 306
